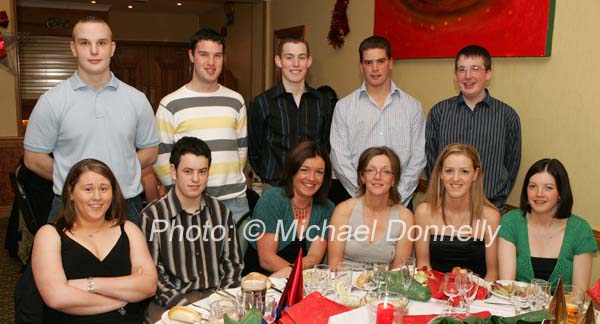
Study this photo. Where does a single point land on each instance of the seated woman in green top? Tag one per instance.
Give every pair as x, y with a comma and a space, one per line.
543, 239
292, 216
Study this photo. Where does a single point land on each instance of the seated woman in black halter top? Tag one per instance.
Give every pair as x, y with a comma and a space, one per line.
458, 224
92, 265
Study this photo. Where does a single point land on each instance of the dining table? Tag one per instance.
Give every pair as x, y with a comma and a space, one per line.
493, 304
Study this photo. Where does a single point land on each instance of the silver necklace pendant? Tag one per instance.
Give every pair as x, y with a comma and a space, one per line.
122, 311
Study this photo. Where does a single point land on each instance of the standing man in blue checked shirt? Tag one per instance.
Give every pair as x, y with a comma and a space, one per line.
287, 114
476, 118
191, 236
378, 114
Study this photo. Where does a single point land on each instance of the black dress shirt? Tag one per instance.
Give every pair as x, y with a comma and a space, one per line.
276, 124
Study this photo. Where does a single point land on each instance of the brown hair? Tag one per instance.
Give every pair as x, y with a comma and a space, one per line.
436, 192
364, 159
90, 19
67, 214
297, 156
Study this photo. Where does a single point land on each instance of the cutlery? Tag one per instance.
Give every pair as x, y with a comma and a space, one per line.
498, 303
224, 293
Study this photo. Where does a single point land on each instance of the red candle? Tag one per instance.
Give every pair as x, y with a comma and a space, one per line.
385, 313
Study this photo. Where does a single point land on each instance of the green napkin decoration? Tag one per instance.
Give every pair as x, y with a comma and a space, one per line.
416, 291
531, 317
253, 316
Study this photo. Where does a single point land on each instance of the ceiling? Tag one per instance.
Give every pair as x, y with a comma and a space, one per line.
170, 6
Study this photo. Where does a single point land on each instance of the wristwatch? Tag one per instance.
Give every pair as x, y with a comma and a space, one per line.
91, 285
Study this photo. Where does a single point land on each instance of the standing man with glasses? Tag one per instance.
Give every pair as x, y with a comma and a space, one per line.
476, 118
378, 114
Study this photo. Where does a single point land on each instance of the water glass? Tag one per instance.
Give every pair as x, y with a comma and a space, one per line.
381, 272
541, 294
342, 279
471, 291
320, 279
220, 308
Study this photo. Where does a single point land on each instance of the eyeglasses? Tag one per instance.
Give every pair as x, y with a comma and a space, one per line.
473, 69
382, 173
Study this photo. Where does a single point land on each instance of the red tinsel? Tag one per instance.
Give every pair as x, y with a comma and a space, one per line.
338, 28
3, 19
2, 47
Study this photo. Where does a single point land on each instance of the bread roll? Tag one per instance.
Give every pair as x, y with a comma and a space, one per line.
184, 314
259, 276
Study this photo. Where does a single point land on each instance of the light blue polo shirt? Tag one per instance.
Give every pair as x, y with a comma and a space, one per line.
73, 121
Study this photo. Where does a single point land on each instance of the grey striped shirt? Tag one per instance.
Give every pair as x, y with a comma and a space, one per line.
193, 252
493, 128
358, 124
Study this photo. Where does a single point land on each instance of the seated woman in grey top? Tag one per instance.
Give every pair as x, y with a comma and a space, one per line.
373, 226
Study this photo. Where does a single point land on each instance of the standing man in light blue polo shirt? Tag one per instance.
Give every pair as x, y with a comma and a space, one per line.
92, 115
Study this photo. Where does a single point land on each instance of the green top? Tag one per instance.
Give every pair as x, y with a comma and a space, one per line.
578, 239
274, 214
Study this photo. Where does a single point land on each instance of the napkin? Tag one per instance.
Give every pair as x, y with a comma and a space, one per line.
531, 317
416, 291
437, 290
253, 316
421, 319
313, 309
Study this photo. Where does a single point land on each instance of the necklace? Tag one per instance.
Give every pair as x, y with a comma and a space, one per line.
91, 235
301, 212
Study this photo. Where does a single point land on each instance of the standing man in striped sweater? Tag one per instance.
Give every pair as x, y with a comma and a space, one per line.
207, 110
476, 118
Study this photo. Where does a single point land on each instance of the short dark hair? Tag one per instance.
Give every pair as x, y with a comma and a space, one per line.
206, 34
67, 214
297, 156
90, 19
474, 51
375, 42
293, 40
187, 145
364, 159
559, 173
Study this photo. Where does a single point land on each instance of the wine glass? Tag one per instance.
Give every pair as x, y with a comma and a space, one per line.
471, 292
450, 290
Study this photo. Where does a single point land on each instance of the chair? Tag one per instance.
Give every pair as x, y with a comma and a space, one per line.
24, 204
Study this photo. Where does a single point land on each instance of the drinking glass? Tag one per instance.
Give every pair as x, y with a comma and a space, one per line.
253, 293
388, 308
269, 309
544, 294
407, 272
220, 308
450, 290
381, 275
519, 298
342, 279
577, 301
320, 280
471, 291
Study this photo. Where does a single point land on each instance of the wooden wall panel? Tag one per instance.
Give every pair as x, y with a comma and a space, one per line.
11, 148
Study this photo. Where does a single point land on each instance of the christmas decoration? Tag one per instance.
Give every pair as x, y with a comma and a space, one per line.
338, 28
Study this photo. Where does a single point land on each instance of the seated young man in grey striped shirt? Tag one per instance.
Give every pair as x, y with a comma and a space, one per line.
476, 118
191, 236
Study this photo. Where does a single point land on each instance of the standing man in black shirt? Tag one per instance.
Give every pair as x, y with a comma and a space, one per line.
476, 118
287, 114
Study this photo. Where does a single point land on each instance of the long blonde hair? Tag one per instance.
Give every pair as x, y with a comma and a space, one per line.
436, 192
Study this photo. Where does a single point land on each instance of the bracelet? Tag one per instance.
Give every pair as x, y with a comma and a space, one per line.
91, 285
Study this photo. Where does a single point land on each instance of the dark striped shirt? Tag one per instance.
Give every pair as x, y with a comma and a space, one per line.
493, 128
193, 252
276, 124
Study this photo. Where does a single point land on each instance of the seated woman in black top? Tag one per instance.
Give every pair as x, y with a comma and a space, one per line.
92, 265
458, 224
292, 216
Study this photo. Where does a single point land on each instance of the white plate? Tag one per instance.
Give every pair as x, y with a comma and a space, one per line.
506, 283
165, 316
355, 276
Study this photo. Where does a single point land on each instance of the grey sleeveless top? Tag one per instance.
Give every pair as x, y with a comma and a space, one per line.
358, 251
